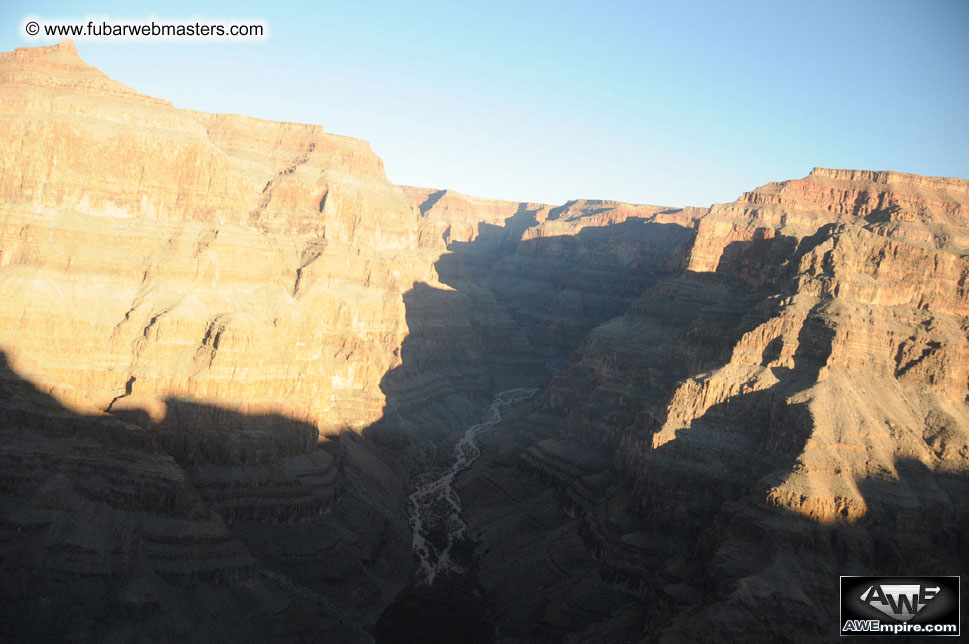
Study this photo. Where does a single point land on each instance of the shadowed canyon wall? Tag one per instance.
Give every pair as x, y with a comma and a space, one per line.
241, 290
229, 344
788, 409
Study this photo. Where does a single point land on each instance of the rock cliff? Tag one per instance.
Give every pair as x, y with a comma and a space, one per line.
789, 408
256, 296
173, 248
229, 345
559, 271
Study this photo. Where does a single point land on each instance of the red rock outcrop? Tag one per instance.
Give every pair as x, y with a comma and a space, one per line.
152, 253
238, 291
792, 406
767, 390
558, 271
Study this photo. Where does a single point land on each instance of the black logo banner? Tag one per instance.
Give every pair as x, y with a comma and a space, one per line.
900, 606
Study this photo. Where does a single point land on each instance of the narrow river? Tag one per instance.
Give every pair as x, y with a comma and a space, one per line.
435, 508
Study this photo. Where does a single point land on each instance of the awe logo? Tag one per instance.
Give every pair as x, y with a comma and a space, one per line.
901, 601
899, 606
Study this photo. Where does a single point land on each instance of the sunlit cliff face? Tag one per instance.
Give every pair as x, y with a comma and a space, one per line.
152, 252
230, 348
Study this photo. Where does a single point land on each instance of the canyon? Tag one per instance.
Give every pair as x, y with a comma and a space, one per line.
232, 350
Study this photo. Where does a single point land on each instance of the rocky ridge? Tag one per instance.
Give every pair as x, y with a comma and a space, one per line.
245, 292
559, 271
791, 406
228, 342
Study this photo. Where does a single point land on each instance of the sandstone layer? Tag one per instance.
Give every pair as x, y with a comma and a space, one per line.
174, 248
255, 296
558, 271
788, 409
229, 345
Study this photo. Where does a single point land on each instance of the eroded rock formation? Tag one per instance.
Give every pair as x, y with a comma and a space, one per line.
247, 292
559, 271
228, 343
789, 408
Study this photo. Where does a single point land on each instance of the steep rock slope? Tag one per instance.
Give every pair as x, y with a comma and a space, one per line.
790, 408
130, 231
765, 395
261, 300
558, 271
105, 537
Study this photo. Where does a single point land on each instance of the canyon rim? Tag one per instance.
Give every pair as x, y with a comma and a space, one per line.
232, 349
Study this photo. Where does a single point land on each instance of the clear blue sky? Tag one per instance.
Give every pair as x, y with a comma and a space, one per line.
675, 103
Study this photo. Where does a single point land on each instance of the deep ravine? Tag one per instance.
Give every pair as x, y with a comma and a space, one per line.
435, 508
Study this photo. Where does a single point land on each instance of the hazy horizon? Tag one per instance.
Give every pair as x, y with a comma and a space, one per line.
546, 102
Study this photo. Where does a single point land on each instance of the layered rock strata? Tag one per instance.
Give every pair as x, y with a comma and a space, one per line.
214, 257
791, 407
227, 342
558, 271
261, 307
